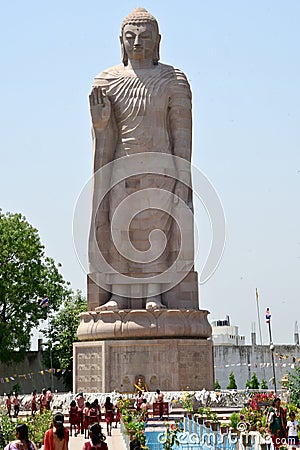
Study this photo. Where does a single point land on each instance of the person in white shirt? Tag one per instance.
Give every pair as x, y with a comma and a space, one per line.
292, 429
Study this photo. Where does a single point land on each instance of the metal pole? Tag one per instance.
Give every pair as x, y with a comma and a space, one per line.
268, 318
259, 326
50, 354
258, 317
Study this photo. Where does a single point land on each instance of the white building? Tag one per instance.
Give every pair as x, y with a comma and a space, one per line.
225, 334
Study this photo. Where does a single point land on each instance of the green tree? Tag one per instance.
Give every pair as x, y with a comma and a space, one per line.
26, 276
248, 384
293, 385
254, 383
217, 385
232, 383
61, 334
263, 384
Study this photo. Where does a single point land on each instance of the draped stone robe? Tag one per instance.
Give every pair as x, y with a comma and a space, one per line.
151, 112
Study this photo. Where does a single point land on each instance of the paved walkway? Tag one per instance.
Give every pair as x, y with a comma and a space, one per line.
114, 442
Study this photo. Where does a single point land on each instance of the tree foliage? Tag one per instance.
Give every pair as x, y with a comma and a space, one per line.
253, 383
294, 385
61, 334
217, 385
232, 383
263, 384
26, 276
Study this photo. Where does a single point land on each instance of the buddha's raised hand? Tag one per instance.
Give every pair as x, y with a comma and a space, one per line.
100, 107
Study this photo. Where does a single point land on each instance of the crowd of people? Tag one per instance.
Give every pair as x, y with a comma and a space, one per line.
41, 402
57, 437
83, 413
84, 419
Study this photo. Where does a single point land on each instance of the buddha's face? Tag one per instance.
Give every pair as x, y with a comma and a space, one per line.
139, 41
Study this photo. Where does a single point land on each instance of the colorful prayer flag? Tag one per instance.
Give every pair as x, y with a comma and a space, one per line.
268, 315
44, 302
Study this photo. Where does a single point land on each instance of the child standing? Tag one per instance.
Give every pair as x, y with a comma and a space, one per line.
73, 418
118, 413
16, 405
33, 403
43, 400
292, 429
8, 405
86, 419
109, 414
94, 413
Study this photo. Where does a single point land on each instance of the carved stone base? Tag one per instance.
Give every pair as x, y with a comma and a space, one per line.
168, 364
142, 323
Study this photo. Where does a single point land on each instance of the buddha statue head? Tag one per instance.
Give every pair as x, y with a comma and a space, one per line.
140, 26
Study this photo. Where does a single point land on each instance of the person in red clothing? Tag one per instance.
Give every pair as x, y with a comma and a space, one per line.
8, 404
16, 405
109, 414
118, 413
98, 408
49, 397
160, 401
144, 410
86, 419
33, 403
43, 400
94, 413
139, 400
97, 439
73, 418
80, 400
57, 437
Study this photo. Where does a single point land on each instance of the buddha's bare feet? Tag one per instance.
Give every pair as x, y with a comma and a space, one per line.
114, 304
154, 303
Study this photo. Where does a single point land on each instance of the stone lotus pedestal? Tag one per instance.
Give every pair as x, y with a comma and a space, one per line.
169, 347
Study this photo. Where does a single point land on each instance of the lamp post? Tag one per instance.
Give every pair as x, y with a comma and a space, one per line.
268, 321
51, 362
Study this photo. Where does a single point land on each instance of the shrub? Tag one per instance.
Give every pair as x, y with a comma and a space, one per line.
232, 383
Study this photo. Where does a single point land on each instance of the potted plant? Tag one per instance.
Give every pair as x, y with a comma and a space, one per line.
208, 416
224, 427
133, 422
214, 421
187, 402
234, 420
201, 414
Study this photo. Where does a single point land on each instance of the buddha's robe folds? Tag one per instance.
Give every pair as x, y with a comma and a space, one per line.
151, 112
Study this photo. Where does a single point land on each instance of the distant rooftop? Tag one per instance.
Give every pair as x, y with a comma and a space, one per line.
225, 334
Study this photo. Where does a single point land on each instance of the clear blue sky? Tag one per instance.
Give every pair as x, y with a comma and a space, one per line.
242, 60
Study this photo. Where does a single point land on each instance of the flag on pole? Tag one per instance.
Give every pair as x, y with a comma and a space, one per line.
44, 302
268, 315
256, 294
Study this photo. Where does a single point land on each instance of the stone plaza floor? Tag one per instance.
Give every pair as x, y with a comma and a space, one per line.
114, 442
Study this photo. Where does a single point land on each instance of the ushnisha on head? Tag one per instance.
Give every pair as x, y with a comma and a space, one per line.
141, 17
